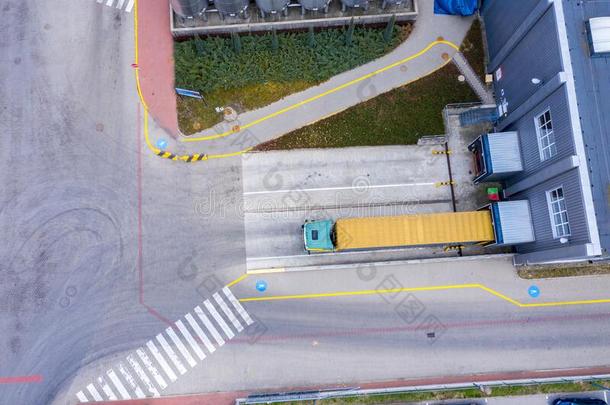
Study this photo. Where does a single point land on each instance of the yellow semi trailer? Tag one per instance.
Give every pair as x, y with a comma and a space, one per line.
499, 223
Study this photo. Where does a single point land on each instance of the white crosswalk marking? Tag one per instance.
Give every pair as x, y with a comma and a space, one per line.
142, 375
181, 348
238, 307
131, 381
118, 384
208, 324
106, 388
94, 393
228, 312
161, 360
143, 372
202, 336
151, 369
219, 320
119, 4
171, 354
191, 341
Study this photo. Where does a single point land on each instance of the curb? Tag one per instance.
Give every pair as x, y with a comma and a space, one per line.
331, 267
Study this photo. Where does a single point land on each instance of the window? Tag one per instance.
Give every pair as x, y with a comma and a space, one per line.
546, 137
558, 212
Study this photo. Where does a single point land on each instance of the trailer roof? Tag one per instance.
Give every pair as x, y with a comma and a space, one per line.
412, 230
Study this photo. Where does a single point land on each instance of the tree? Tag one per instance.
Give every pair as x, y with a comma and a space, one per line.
349, 35
275, 45
311, 37
199, 45
389, 29
236, 42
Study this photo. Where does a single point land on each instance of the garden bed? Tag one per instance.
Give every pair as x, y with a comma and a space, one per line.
252, 71
398, 117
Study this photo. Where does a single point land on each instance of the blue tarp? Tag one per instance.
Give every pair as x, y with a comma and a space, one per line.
455, 7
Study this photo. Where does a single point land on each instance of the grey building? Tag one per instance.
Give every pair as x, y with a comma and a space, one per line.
551, 65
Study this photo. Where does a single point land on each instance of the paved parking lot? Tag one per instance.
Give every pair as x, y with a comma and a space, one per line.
283, 189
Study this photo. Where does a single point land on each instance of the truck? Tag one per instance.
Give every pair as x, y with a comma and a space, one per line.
499, 223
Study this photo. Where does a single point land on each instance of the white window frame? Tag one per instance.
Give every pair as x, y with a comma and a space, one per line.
543, 134
561, 228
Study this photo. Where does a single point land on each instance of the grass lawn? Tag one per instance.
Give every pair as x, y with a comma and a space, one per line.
566, 270
262, 71
462, 394
399, 117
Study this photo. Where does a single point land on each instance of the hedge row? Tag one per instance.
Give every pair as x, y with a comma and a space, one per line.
213, 63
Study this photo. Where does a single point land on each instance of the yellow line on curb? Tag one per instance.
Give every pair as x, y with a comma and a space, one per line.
354, 293
237, 280
432, 288
331, 91
149, 144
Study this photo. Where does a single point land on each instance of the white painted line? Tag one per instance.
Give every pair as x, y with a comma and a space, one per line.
171, 354
81, 397
109, 3
151, 369
219, 320
94, 392
106, 388
200, 334
228, 312
181, 348
142, 375
118, 384
208, 324
338, 188
100, 1
131, 381
191, 341
605, 396
129, 6
240, 309
120, 4
161, 360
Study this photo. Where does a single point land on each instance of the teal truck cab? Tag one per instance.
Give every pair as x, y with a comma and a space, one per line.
317, 235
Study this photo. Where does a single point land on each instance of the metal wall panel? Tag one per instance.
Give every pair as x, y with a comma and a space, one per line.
528, 138
541, 218
502, 19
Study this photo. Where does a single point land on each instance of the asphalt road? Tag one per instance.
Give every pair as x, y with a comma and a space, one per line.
101, 242
75, 182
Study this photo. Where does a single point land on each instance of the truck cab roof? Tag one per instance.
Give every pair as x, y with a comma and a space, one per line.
317, 236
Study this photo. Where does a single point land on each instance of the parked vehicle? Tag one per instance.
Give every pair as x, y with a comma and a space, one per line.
579, 401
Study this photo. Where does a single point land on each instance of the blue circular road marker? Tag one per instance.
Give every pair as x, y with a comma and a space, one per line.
261, 285
533, 291
161, 143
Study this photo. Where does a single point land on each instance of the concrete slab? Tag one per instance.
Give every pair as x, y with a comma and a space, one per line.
284, 188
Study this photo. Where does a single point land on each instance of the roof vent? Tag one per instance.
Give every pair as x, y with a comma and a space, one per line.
598, 31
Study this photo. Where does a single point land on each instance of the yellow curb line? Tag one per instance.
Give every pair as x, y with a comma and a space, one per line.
267, 271
237, 280
333, 90
432, 288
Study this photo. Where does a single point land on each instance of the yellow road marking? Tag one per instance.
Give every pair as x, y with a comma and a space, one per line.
325, 93
431, 288
154, 149
237, 280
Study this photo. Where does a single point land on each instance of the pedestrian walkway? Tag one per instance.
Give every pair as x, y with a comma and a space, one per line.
125, 5
149, 369
432, 43
484, 94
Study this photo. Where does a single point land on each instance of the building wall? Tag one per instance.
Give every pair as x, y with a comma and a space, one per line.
503, 19
570, 181
528, 138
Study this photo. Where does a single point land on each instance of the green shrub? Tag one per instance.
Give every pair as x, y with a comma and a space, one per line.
235, 62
